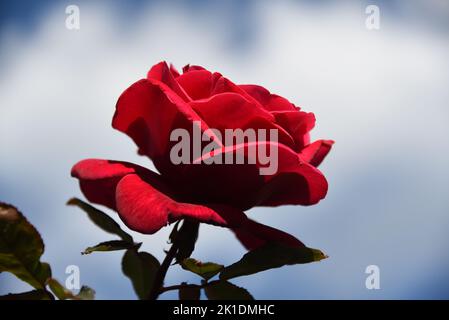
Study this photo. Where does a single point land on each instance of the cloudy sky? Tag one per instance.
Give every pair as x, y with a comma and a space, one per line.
382, 95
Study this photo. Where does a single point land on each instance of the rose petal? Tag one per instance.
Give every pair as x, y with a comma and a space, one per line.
232, 111
224, 85
269, 101
315, 152
98, 178
148, 114
146, 209
145, 204
188, 68
296, 182
242, 185
127, 188
161, 74
253, 235
298, 124
197, 83
173, 71
200, 83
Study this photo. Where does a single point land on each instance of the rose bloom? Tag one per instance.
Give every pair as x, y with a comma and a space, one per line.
150, 109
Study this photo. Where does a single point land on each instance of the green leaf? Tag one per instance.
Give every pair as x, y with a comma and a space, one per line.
224, 290
189, 292
62, 293
30, 295
101, 219
186, 238
21, 247
206, 270
269, 256
59, 290
141, 269
112, 245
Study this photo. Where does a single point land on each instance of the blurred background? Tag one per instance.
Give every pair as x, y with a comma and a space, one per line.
382, 95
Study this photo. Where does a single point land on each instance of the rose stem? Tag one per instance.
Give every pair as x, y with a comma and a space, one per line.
162, 271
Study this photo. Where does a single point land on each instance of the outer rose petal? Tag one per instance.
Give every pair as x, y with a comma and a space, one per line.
271, 102
315, 152
127, 187
145, 209
242, 185
148, 114
298, 124
164, 76
98, 178
174, 71
296, 182
305, 186
145, 203
253, 235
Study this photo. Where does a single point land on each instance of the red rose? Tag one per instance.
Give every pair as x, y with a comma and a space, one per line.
150, 109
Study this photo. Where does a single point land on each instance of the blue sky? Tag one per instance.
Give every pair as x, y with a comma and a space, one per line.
381, 95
